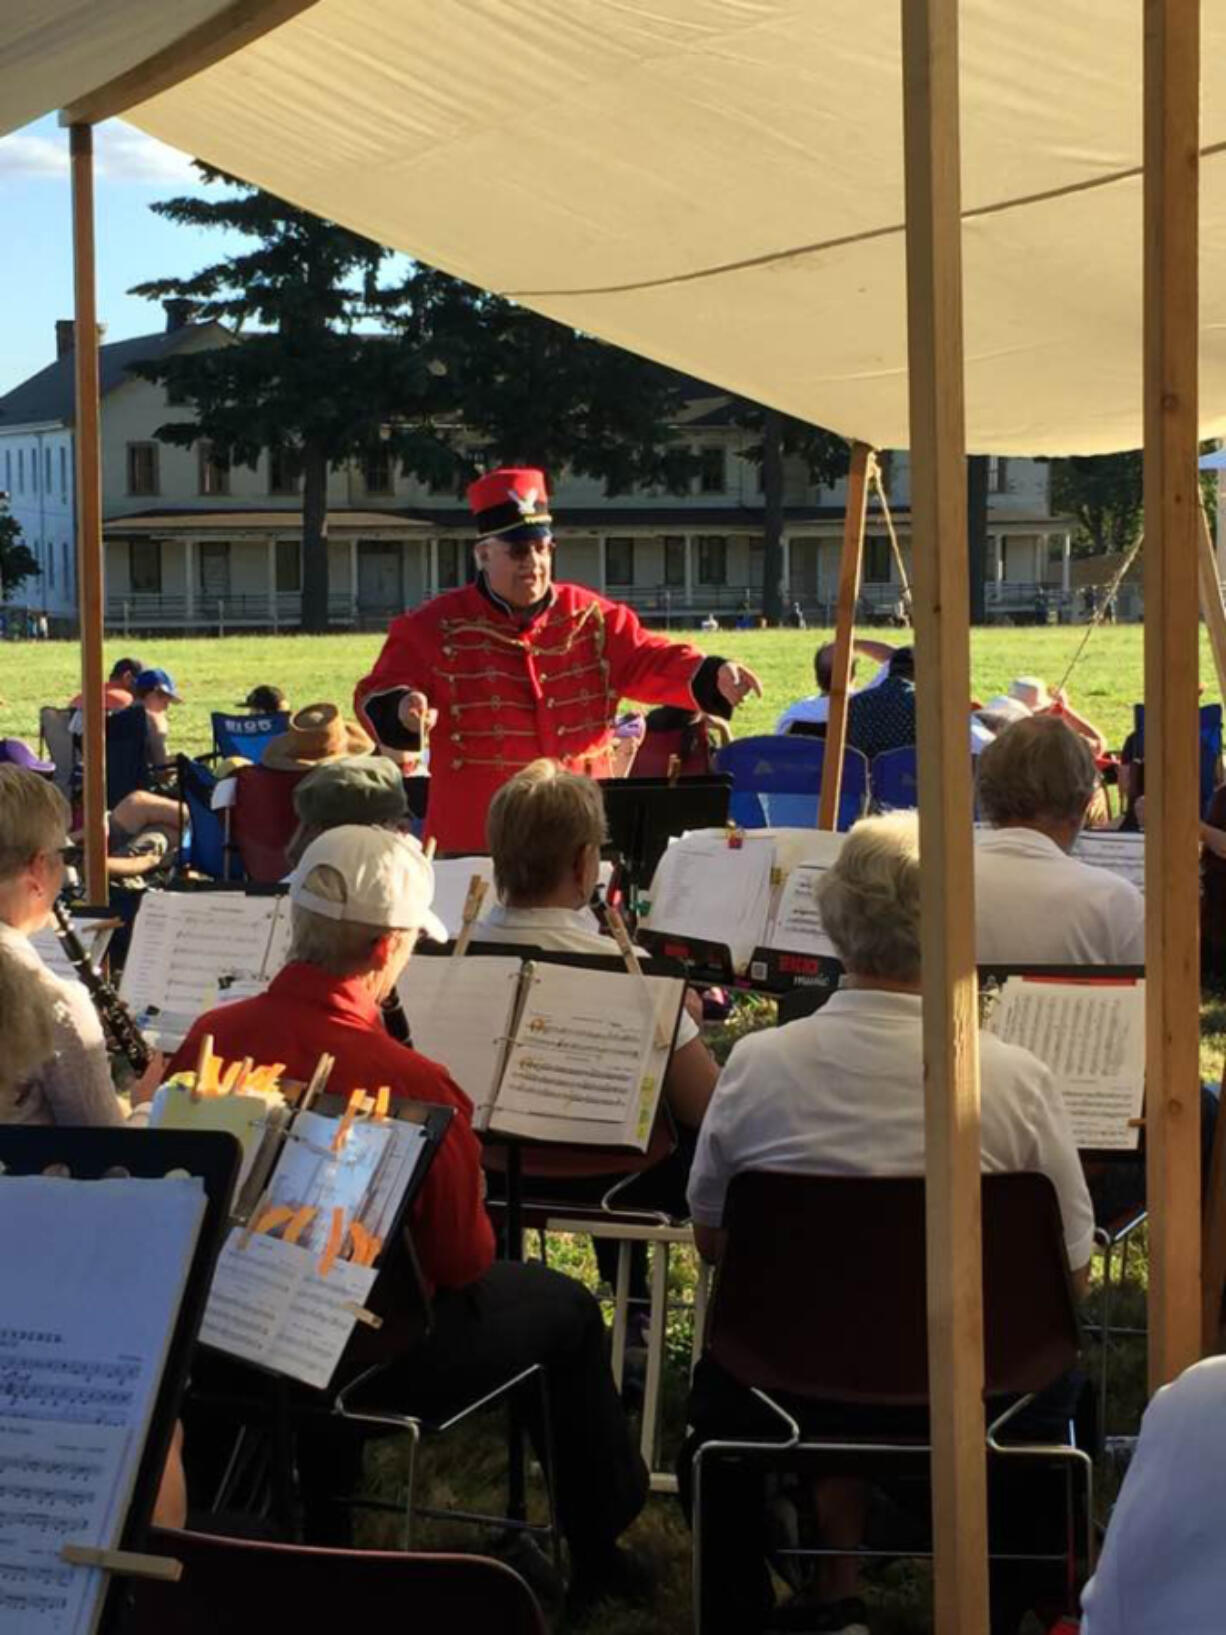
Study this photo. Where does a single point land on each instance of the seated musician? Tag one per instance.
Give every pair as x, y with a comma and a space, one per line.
362, 789
842, 1092
361, 897
545, 829
72, 1083
1034, 903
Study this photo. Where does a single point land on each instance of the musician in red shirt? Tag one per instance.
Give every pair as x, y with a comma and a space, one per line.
515, 667
361, 898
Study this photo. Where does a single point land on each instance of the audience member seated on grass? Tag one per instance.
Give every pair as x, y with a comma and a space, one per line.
360, 899
357, 789
265, 701
842, 1092
815, 709
1162, 1567
71, 1082
1034, 904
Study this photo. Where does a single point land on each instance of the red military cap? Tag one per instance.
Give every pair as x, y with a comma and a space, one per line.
513, 501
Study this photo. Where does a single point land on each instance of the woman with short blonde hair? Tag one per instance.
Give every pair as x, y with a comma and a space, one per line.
538, 825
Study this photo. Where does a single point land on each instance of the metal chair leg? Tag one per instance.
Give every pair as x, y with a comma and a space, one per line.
621, 1310
655, 1351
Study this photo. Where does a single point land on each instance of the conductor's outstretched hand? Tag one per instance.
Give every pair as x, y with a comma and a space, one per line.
736, 682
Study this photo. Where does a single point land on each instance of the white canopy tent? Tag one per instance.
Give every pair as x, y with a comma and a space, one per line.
724, 185
719, 183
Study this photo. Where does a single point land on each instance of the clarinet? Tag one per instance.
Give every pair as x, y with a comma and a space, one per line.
116, 1018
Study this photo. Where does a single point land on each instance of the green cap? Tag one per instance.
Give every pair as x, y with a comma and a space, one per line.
352, 789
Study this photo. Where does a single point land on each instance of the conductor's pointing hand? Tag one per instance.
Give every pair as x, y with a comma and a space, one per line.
414, 709
735, 683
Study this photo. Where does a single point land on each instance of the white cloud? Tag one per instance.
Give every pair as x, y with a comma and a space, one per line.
122, 154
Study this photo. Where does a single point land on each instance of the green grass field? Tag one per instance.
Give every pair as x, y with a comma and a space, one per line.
214, 674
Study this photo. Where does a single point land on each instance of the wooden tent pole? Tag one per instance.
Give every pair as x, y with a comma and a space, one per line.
1172, 781
90, 577
940, 575
862, 464
1211, 598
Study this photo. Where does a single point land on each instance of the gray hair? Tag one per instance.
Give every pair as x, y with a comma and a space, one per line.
29, 1021
34, 817
341, 947
1038, 769
870, 899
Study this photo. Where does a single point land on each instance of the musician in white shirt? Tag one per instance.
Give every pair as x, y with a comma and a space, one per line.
1034, 903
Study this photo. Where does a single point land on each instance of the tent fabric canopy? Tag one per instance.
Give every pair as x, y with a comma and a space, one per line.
718, 184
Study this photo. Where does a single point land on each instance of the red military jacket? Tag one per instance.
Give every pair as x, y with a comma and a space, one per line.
509, 692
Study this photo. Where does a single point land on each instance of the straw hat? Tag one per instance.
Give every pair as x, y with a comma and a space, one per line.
1032, 692
317, 733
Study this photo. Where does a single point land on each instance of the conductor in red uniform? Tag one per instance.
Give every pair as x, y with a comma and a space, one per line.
514, 667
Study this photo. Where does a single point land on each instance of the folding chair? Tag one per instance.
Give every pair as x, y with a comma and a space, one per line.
777, 781
856, 1332
1210, 748
679, 743
127, 753
208, 847
894, 779
263, 820
246, 735
53, 734
242, 1587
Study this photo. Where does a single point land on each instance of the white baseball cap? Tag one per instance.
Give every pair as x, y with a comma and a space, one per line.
388, 878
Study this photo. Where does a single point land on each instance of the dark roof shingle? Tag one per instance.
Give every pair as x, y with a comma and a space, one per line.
50, 394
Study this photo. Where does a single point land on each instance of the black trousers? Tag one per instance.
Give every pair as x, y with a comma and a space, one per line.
515, 1316
1026, 1505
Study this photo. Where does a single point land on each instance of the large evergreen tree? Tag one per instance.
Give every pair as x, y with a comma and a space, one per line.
305, 378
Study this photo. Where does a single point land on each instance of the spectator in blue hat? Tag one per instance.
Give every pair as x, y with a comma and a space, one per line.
145, 824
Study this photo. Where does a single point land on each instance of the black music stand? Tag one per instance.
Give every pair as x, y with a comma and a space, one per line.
643, 814
212, 1158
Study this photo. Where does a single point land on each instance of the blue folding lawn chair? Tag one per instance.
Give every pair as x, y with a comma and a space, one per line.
246, 735
777, 782
894, 777
207, 849
1210, 747
127, 753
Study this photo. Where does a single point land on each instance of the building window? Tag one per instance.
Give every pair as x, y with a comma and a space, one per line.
712, 559
215, 568
877, 561
619, 561
63, 472
50, 564
448, 564
46, 471
143, 468
998, 474
145, 566
674, 559
8, 471
289, 565
214, 471
711, 474
377, 472
284, 469
66, 566
34, 470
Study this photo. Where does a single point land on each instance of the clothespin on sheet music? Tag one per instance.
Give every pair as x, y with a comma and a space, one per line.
477, 887
383, 1096
626, 948
736, 837
674, 769
204, 1067
241, 1075
357, 1105
429, 849
131, 1563
336, 1239
318, 1079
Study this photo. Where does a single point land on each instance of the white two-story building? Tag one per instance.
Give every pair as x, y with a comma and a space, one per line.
190, 543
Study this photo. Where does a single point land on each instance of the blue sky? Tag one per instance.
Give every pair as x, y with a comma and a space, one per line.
131, 171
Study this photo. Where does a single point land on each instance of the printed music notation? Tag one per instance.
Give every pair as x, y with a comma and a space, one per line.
460, 1012
797, 926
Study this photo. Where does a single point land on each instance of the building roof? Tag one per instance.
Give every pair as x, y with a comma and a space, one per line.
201, 520
50, 395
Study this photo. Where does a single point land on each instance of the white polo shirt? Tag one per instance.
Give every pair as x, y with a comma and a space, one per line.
842, 1093
562, 931
1034, 904
816, 708
1162, 1570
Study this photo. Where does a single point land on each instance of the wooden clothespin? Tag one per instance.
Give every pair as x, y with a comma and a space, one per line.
674, 769
302, 1218
357, 1100
336, 1237
383, 1098
132, 1563
242, 1076
318, 1079
477, 887
429, 849
626, 948
204, 1065
362, 1315
736, 837
227, 1081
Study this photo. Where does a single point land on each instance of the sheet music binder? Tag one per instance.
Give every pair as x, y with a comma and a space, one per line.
95, 1154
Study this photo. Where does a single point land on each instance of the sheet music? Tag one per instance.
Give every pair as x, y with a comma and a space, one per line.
1116, 849
78, 1387
797, 925
1092, 1037
460, 1013
705, 888
269, 1305
187, 948
51, 949
279, 939
584, 1064
310, 1174
246, 1118
451, 880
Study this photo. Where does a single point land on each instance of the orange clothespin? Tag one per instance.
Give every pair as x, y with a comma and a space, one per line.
229, 1079
204, 1064
243, 1076
336, 1237
278, 1215
383, 1098
357, 1100
298, 1225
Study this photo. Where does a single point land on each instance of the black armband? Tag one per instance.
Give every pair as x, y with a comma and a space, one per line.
383, 712
705, 688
